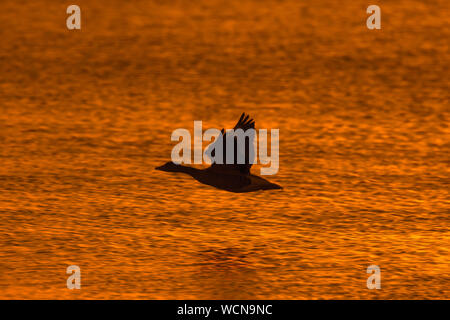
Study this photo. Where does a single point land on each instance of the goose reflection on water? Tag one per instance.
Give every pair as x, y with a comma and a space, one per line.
230, 177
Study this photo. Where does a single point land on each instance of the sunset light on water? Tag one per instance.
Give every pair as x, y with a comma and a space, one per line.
87, 115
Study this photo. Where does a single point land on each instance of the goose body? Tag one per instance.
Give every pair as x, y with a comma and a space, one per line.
233, 181
230, 177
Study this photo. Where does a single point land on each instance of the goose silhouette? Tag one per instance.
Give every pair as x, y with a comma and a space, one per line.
229, 177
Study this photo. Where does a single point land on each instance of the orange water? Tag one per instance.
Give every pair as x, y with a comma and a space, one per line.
364, 149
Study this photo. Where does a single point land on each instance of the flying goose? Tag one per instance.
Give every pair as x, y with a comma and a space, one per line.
230, 177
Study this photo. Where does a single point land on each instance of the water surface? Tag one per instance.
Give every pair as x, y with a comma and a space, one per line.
364, 149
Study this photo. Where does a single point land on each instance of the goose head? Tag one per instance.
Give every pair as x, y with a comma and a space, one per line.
170, 167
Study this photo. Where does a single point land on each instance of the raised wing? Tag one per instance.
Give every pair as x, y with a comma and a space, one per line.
245, 122
243, 147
